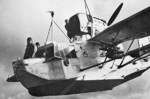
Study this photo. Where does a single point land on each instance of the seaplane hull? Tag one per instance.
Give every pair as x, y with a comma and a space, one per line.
38, 86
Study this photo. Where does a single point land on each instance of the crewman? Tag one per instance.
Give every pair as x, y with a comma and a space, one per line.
29, 48
37, 45
36, 49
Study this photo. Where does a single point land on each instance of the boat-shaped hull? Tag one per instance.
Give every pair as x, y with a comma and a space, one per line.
41, 87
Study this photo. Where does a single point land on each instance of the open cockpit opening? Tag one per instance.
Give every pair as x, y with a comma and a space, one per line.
56, 50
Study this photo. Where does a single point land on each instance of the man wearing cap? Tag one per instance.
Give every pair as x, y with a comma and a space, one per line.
29, 48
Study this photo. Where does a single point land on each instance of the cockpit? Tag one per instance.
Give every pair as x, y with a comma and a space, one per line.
81, 27
56, 50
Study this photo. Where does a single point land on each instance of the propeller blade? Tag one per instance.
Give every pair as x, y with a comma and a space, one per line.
115, 14
51, 12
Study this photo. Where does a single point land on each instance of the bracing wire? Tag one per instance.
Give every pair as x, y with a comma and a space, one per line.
51, 29
62, 32
48, 33
51, 26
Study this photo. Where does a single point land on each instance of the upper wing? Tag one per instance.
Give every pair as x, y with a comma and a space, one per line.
138, 24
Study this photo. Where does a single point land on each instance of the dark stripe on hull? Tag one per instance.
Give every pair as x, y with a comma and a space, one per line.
60, 88
79, 86
134, 75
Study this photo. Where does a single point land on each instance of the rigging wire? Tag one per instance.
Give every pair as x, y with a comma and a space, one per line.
51, 26
62, 31
48, 33
51, 29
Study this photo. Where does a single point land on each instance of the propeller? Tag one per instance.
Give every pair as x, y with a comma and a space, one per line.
115, 14
51, 12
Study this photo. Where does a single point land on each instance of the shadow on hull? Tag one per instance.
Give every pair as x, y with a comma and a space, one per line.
66, 87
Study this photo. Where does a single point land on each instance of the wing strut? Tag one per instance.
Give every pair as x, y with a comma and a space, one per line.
105, 61
136, 59
113, 45
120, 66
131, 61
114, 39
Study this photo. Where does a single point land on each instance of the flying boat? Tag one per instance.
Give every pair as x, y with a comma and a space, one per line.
98, 57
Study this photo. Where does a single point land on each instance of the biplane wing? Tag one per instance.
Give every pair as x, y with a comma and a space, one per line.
135, 26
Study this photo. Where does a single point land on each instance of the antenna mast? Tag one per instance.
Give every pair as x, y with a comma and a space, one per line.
87, 8
89, 17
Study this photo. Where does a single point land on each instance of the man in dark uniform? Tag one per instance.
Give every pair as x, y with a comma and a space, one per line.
29, 48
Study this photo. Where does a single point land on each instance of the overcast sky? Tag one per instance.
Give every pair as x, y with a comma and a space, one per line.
20, 19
